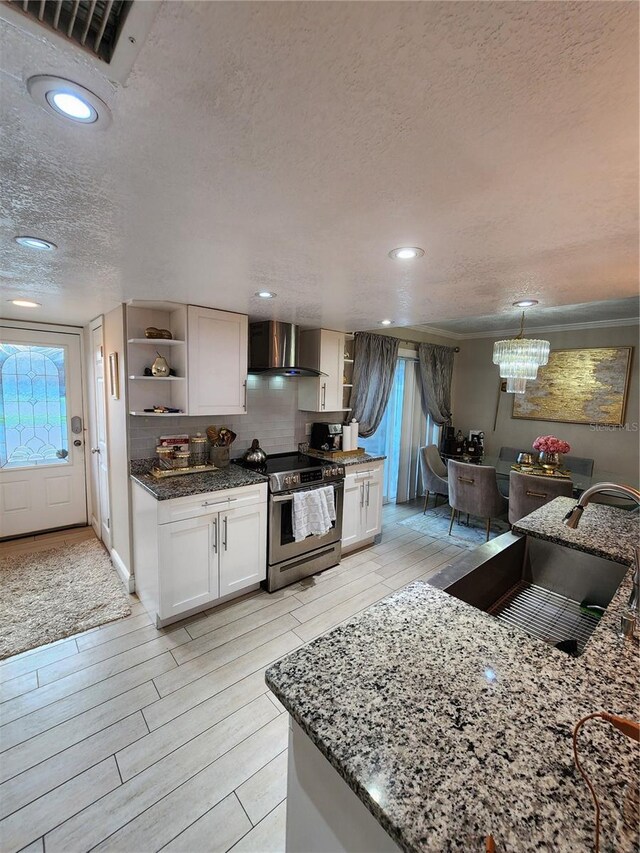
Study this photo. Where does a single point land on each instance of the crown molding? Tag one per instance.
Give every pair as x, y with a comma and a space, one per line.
497, 333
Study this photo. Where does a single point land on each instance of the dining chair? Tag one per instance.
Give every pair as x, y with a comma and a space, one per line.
473, 489
578, 465
509, 454
434, 474
528, 492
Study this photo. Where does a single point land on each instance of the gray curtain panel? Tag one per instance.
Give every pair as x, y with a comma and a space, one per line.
374, 365
436, 372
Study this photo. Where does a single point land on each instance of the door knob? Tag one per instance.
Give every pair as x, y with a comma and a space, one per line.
95, 450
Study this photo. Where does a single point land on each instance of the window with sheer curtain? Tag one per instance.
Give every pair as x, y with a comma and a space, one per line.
402, 431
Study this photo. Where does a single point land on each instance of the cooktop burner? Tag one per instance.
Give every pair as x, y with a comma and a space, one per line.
280, 462
294, 470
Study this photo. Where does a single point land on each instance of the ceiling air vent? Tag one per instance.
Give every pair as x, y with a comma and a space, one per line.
93, 24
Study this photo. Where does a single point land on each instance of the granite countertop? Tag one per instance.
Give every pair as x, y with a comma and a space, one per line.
449, 725
361, 460
349, 460
603, 530
195, 484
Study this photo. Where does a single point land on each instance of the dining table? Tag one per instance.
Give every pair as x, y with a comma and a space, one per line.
580, 481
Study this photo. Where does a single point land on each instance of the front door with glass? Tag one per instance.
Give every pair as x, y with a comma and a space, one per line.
42, 463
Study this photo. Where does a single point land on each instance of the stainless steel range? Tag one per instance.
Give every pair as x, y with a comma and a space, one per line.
287, 560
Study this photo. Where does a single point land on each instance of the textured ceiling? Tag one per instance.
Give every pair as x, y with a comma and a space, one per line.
289, 146
606, 312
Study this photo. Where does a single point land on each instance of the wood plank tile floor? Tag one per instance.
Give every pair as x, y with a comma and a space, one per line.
135, 739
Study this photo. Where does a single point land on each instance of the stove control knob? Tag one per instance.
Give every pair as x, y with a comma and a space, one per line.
287, 481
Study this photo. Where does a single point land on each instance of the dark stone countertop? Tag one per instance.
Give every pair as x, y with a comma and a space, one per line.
449, 725
350, 460
185, 485
603, 530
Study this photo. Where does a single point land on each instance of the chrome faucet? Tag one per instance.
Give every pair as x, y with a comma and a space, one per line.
572, 520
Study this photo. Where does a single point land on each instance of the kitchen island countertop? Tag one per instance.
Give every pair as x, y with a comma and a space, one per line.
603, 530
449, 725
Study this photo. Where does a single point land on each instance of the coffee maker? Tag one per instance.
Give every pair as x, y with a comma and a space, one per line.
326, 437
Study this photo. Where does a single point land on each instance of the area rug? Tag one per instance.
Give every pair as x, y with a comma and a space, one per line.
435, 522
48, 595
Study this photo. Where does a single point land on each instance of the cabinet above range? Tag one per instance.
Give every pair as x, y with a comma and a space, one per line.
326, 351
206, 356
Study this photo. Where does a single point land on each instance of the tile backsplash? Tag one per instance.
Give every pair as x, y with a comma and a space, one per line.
272, 417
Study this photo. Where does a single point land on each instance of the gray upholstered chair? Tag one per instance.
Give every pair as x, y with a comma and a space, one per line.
434, 474
509, 454
578, 465
473, 489
528, 492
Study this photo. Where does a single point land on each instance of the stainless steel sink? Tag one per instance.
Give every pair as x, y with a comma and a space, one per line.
551, 592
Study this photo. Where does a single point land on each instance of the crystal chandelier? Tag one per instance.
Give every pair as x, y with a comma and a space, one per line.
519, 359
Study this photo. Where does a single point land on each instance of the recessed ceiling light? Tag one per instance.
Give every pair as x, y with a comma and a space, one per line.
36, 243
26, 303
68, 100
386, 322
406, 253
525, 303
265, 294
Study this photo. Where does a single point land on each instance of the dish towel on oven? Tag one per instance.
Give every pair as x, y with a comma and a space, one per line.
313, 512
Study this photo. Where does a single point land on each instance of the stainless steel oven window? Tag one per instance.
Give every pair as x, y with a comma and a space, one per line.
282, 545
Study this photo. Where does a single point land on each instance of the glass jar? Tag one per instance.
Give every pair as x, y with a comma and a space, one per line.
164, 459
181, 459
199, 449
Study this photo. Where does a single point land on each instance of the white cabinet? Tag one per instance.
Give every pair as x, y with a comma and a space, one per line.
362, 511
323, 350
188, 565
217, 360
243, 555
193, 551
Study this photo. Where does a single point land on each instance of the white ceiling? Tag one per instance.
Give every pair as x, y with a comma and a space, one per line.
605, 313
290, 146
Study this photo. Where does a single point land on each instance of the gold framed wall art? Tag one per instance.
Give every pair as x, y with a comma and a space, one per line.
578, 386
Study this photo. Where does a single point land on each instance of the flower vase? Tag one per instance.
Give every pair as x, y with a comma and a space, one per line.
549, 461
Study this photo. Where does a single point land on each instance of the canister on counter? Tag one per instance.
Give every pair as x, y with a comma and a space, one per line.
199, 449
219, 456
181, 459
164, 459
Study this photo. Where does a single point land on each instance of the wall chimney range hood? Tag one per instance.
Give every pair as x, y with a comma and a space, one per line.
273, 350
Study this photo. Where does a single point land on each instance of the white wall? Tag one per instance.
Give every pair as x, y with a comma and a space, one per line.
272, 417
476, 392
117, 416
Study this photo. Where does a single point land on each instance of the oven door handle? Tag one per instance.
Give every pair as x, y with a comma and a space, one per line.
278, 499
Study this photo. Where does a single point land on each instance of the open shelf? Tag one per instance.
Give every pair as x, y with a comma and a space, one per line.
161, 378
156, 342
158, 414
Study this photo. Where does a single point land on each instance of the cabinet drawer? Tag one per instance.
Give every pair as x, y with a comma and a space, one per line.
210, 502
364, 472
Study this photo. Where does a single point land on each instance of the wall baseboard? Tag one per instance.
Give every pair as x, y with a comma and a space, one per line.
125, 575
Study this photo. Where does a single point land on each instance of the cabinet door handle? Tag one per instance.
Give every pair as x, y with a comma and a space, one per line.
245, 395
215, 535
224, 534
368, 484
324, 395
362, 495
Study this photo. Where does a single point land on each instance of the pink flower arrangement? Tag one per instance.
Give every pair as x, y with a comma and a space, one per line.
551, 444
